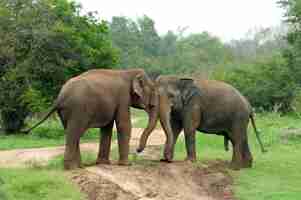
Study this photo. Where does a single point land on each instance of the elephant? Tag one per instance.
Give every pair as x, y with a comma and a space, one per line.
97, 99
209, 106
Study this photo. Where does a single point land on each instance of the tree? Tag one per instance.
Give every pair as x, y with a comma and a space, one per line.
267, 84
149, 36
168, 44
259, 43
200, 52
293, 52
42, 44
126, 37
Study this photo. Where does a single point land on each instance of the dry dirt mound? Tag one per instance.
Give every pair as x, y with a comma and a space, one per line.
157, 181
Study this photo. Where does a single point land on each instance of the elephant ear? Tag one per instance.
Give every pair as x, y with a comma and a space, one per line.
138, 85
188, 89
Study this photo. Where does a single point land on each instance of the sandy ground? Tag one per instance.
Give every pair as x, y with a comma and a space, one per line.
144, 180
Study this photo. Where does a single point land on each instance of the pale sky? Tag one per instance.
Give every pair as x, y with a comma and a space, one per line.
227, 19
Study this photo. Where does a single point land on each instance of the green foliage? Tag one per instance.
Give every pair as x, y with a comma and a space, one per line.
125, 35
200, 53
296, 103
258, 44
293, 52
33, 184
141, 46
13, 111
149, 36
267, 84
34, 100
42, 44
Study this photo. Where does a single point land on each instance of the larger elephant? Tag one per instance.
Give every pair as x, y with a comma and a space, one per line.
208, 106
97, 99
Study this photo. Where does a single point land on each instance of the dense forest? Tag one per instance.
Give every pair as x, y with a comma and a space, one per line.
45, 42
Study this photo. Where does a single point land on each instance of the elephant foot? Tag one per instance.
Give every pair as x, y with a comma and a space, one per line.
189, 159
71, 165
238, 166
246, 164
124, 163
166, 160
235, 166
103, 162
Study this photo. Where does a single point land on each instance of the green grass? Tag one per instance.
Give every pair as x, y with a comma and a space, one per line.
36, 184
50, 133
276, 175
21, 141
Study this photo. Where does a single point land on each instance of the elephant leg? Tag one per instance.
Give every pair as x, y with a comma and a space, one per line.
105, 144
236, 156
241, 157
191, 122
176, 127
123, 124
72, 157
190, 145
246, 153
234, 161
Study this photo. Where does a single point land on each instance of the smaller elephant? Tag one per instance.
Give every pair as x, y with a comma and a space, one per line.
209, 106
98, 99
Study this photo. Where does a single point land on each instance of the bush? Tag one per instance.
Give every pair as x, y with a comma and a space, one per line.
267, 84
13, 111
296, 103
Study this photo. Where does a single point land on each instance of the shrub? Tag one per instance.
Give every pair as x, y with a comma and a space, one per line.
267, 84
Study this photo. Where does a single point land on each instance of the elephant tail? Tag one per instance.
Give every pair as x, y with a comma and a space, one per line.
52, 110
257, 133
226, 143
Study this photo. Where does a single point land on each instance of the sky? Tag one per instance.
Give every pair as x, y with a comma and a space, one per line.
227, 19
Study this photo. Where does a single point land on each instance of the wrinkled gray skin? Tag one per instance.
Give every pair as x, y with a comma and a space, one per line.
209, 106
97, 99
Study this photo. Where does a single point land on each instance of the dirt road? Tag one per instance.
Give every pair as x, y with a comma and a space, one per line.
145, 179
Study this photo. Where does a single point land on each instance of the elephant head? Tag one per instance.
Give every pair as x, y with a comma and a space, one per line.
173, 94
145, 96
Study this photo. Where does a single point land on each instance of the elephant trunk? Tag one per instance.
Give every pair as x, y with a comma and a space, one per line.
165, 112
152, 122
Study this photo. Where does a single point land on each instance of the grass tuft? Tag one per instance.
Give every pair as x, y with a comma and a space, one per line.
33, 184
